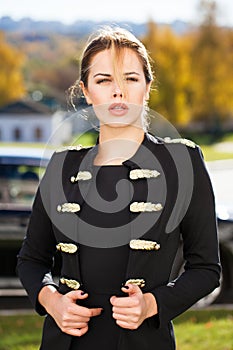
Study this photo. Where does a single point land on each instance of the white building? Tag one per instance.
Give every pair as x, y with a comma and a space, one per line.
30, 121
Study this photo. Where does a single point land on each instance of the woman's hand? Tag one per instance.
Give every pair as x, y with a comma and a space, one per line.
70, 317
129, 312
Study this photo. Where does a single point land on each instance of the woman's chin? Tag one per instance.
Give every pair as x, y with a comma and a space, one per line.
120, 124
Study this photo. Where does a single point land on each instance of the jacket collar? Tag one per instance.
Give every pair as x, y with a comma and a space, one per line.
137, 159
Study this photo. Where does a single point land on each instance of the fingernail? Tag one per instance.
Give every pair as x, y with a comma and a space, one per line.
125, 286
82, 293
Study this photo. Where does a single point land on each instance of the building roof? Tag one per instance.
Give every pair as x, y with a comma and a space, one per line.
25, 106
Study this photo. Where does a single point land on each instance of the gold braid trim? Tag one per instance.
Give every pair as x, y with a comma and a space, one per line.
138, 244
143, 173
137, 281
67, 247
136, 207
185, 142
69, 148
68, 208
82, 175
73, 284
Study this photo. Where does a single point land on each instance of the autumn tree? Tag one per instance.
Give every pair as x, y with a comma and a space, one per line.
172, 71
53, 65
11, 78
58, 76
212, 69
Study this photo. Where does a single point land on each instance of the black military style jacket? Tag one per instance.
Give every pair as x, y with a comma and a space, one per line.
170, 197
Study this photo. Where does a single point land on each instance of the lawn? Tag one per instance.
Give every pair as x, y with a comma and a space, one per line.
205, 330
212, 153
195, 330
215, 149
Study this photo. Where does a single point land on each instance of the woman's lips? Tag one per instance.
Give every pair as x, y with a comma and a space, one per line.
118, 109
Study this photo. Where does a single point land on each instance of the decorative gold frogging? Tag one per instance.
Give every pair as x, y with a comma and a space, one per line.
67, 247
137, 281
69, 148
82, 175
68, 208
73, 284
185, 142
143, 173
136, 207
141, 244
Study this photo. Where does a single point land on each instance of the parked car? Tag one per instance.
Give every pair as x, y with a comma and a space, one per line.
221, 174
20, 173
224, 293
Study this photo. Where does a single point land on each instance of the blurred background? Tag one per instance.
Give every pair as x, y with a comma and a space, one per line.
191, 45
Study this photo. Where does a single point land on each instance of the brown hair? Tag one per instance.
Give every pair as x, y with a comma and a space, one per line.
115, 39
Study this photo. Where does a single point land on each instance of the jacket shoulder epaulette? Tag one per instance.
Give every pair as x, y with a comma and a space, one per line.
70, 148
185, 142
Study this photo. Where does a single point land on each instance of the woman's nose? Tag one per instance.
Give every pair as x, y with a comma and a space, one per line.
117, 92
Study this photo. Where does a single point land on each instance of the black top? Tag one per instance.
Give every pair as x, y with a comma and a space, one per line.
103, 269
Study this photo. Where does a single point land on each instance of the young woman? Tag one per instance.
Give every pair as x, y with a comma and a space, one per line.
117, 212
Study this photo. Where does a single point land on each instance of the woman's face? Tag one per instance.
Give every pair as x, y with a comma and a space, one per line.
112, 105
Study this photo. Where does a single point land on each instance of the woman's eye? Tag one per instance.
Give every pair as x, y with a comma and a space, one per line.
132, 79
104, 80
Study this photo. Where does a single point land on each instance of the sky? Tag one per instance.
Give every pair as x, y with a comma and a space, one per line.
69, 11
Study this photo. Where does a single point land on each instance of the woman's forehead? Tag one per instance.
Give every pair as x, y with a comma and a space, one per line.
124, 58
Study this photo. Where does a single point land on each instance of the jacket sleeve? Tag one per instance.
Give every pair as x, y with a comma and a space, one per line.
35, 258
200, 250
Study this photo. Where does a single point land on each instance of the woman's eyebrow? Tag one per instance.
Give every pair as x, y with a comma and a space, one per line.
103, 74
109, 75
130, 73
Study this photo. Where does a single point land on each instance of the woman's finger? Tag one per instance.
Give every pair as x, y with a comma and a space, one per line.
122, 302
76, 332
81, 311
120, 317
73, 325
127, 325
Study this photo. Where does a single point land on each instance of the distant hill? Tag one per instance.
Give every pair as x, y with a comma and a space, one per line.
30, 27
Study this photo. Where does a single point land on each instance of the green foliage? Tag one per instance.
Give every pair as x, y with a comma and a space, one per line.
86, 139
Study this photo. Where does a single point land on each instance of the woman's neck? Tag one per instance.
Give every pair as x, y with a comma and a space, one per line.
118, 144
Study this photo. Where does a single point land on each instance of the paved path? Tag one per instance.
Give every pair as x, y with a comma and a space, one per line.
221, 174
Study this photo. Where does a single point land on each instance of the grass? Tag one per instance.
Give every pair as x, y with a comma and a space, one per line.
21, 332
86, 140
209, 143
202, 330
210, 153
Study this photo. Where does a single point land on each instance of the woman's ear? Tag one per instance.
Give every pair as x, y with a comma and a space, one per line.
85, 92
147, 95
